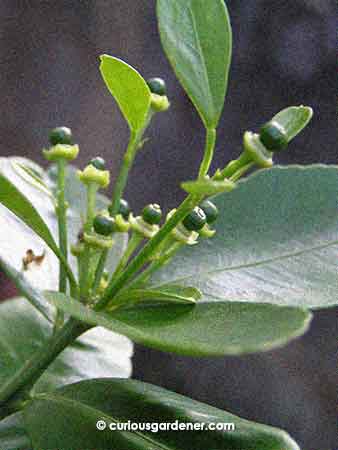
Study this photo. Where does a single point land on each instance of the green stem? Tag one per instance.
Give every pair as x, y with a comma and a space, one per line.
241, 171
61, 212
62, 223
99, 270
85, 262
91, 205
72, 281
208, 152
186, 206
136, 264
127, 162
18, 386
79, 264
122, 178
234, 166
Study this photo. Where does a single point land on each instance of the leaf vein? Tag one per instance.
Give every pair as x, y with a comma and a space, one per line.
254, 264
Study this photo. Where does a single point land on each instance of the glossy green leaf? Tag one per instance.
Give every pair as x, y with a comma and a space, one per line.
197, 39
293, 119
18, 204
129, 89
207, 187
34, 296
16, 238
32, 176
13, 435
23, 209
166, 294
98, 353
67, 419
276, 242
203, 329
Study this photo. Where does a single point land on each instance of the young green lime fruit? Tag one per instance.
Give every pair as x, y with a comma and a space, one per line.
98, 162
210, 210
157, 86
103, 225
124, 209
273, 136
61, 135
152, 214
195, 220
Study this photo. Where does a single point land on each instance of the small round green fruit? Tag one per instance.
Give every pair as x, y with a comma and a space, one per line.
195, 220
210, 210
152, 214
104, 225
98, 162
124, 209
273, 136
157, 86
61, 135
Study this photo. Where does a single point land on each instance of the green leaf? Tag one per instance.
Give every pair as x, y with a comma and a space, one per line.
169, 293
32, 176
204, 329
16, 238
207, 187
13, 435
197, 39
293, 119
21, 207
276, 242
128, 88
34, 296
18, 204
67, 419
98, 353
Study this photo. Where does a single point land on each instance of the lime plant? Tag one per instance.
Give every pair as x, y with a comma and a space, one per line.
235, 268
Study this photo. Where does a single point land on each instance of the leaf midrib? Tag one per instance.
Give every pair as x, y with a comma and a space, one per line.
197, 40
252, 264
64, 400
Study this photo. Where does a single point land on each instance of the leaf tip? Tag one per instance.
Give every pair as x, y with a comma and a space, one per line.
307, 109
103, 59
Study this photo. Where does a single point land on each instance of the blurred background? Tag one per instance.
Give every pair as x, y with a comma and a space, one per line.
284, 53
